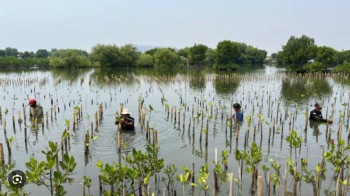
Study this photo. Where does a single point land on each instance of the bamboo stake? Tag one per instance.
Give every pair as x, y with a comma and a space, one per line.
2, 158
119, 136
260, 178
216, 184
13, 123
231, 185
268, 183
285, 178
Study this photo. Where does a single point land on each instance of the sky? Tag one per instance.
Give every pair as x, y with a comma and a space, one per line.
29, 25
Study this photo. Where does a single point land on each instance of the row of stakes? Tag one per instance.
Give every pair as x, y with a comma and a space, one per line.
142, 117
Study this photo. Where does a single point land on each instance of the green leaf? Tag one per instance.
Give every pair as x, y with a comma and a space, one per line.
11, 139
193, 184
99, 164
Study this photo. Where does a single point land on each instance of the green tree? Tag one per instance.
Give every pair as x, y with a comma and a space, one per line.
197, 54
298, 51
315, 67
129, 55
274, 56
27, 54
209, 57
11, 52
280, 57
145, 60
326, 55
185, 52
151, 51
345, 67
254, 55
106, 55
2, 53
227, 55
69, 58
42, 53
227, 52
341, 57
165, 58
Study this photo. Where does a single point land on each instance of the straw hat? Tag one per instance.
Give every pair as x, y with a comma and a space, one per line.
125, 111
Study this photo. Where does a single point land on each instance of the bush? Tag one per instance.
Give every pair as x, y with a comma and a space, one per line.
345, 67
145, 60
165, 58
14, 62
69, 58
229, 66
315, 67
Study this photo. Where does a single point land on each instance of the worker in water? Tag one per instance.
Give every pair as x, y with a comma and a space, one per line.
238, 116
127, 122
316, 115
36, 110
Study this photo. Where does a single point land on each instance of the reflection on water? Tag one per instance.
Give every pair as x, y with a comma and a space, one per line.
226, 84
299, 89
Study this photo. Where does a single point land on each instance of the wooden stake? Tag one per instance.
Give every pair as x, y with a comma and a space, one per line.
2, 158
260, 178
231, 185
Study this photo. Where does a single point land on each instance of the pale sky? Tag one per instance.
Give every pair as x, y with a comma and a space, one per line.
81, 24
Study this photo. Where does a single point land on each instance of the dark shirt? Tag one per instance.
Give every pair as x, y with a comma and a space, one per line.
317, 115
238, 116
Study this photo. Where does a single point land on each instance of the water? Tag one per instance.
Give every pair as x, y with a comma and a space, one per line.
255, 89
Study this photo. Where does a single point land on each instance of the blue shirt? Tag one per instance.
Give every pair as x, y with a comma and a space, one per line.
239, 116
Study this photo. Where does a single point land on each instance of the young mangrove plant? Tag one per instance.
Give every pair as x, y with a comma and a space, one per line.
145, 164
340, 159
49, 173
170, 172
294, 142
252, 158
203, 178
87, 182
184, 179
116, 175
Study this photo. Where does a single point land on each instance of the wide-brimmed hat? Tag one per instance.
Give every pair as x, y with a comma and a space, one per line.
125, 111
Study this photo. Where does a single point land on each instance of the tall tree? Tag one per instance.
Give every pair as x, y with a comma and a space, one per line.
129, 55
145, 60
69, 58
165, 59
185, 52
11, 52
227, 52
298, 51
2, 53
197, 54
42, 53
106, 55
342, 57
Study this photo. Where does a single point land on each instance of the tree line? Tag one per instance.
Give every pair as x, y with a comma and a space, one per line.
301, 54
228, 55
